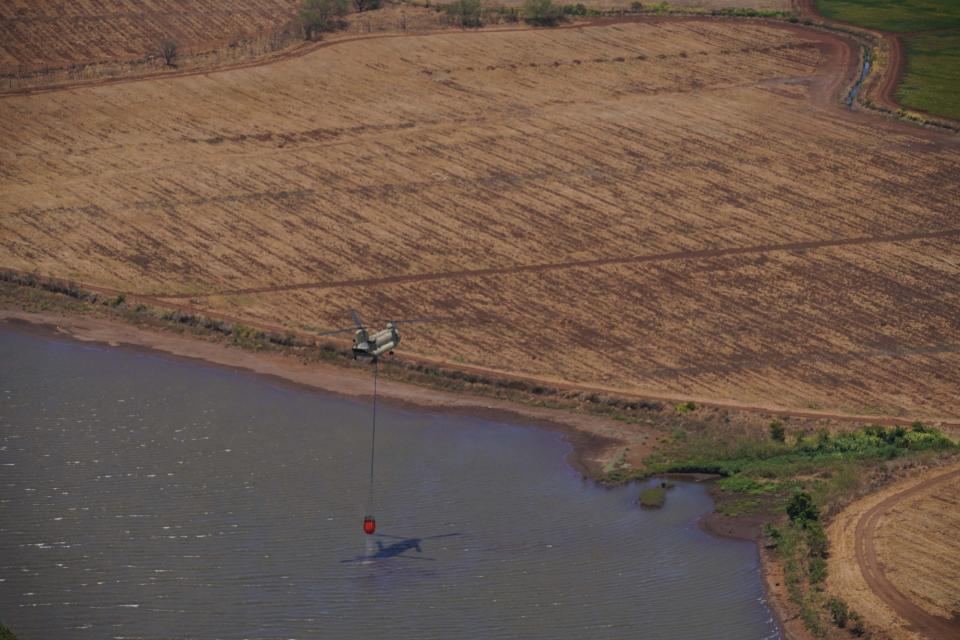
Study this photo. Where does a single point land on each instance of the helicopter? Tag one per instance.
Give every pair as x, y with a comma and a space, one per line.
371, 346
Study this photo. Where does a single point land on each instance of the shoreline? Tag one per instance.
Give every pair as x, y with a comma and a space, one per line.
591, 438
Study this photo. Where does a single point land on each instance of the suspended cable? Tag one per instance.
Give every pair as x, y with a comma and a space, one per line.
369, 523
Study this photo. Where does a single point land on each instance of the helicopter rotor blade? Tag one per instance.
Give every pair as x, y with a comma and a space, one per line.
413, 320
336, 331
356, 318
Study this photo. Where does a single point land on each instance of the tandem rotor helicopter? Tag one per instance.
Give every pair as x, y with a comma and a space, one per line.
370, 346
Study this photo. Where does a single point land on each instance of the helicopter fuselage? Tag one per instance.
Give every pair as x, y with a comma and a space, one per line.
374, 345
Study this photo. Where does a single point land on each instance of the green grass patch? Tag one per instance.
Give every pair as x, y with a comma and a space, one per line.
742, 507
894, 15
931, 81
653, 497
931, 40
748, 486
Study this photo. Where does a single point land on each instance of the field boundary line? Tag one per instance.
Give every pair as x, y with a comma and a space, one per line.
808, 245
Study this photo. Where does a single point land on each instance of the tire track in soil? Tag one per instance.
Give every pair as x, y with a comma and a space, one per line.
921, 621
808, 245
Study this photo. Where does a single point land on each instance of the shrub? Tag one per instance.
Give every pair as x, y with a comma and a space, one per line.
509, 14
322, 15
777, 432
855, 626
801, 508
686, 407
168, 51
838, 611
465, 13
773, 533
542, 13
653, 497
817, 568
578, 9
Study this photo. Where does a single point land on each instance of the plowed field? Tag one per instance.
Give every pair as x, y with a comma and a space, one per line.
37, 34
670, 207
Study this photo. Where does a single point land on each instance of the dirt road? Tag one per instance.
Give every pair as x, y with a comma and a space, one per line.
929, 625
854, 536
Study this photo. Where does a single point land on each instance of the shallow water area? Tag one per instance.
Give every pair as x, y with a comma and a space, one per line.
143, 496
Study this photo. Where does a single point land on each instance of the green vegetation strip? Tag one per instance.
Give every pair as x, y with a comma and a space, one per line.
899, 16
801, 475
930, 32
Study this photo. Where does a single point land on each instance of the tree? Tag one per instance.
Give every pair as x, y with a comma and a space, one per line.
318, 16
777, 432
801, 508
366, 5
542, 13
465, 13
168, 51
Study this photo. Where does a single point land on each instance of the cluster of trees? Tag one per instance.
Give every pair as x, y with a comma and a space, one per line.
465, 13
318, 16
540, 13
805, 535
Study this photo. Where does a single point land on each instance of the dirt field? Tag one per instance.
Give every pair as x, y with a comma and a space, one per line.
672, 207
918, 548
777, 5
895, 556
36, 34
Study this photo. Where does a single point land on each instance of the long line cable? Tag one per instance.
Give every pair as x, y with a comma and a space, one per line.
373, 436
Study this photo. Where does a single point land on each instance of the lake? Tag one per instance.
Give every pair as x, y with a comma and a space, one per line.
143, 496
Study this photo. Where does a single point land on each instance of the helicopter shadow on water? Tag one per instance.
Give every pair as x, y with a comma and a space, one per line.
403, 548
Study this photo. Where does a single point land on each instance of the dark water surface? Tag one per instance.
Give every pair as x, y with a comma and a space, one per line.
147, 497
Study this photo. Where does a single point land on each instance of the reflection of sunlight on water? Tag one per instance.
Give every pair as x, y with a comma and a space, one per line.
247, 521
371, 550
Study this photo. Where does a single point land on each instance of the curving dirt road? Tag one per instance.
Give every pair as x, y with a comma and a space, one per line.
306, 48
931, 626
881, 91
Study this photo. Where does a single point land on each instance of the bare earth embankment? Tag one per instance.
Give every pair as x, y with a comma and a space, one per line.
673, 207
895, 556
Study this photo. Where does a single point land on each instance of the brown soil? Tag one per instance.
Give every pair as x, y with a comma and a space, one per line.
685, 259
47, 33
860, 575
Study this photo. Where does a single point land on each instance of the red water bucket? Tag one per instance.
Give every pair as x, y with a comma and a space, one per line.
369, 524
